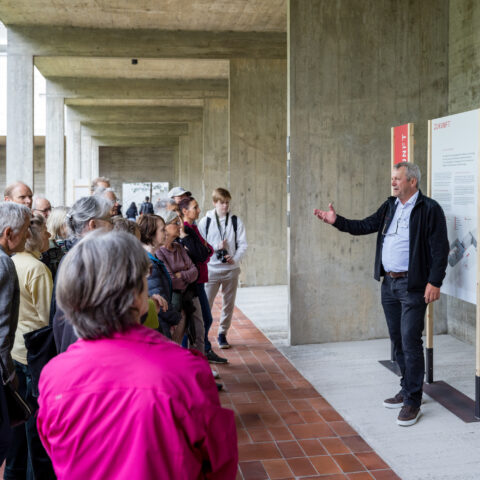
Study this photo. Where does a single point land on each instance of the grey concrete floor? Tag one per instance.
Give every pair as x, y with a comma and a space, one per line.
439, 447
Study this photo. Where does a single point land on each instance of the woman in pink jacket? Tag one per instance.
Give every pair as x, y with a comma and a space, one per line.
124, 402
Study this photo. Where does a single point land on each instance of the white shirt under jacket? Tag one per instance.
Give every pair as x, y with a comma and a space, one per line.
396, 242
215, 238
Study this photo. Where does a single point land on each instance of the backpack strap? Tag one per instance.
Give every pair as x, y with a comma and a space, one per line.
207, 226
234, 224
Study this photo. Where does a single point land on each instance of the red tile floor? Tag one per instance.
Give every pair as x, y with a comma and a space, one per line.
285, 428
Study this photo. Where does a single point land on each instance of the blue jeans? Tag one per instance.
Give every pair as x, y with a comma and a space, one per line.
405, 314
26, 458
5, 430
206, 313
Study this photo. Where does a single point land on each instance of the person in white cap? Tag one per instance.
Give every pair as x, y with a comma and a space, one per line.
178, 194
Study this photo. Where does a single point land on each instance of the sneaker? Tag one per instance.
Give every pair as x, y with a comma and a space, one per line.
222, 341
219, 386
215, 374
212, 357
408, 415
394, 402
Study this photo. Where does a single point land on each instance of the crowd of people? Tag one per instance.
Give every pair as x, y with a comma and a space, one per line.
104, 333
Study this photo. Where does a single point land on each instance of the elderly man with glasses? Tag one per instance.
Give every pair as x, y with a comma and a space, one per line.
411, 255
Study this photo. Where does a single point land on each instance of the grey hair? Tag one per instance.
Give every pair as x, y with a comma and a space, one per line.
56, 221
97, 283
95, 182
13, 215
34, 243
412, 170
84, 210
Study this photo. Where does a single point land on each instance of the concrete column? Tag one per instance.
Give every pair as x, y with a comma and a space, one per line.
345, 94
20, 119
95, 159
73, 160
86, 158
257, 177
55, 150
215, 146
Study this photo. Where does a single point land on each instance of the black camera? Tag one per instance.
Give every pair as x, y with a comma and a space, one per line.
221, 255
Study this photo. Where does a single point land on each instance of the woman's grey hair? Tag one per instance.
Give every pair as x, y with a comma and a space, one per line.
13, 215
56, 220
35, 242
84, 210
97, 283
411, 171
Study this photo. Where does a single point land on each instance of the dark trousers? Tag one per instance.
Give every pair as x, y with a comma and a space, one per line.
26, 458
206, 313
405, 314
5, 430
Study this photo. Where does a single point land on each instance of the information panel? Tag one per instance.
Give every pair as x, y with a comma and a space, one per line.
455, 150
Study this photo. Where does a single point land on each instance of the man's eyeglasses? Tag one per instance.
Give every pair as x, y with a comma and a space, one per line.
44, 211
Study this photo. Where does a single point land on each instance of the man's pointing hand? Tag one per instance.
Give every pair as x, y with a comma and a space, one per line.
327, 216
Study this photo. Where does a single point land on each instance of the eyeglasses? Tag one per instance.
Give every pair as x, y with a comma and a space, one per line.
403, 222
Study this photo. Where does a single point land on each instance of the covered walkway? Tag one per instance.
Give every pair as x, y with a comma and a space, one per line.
286, 429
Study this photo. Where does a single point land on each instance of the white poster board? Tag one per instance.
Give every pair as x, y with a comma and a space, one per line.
455, 150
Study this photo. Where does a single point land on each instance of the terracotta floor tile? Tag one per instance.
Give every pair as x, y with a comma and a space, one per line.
253, 471
356, 444
242, 436
301, 467
292, 418
275, 394
319, 402
272, 419
348, 463
329, 414
301, 393
310, 416
257, 397
250, 420
259, 434
334, 446
372, 461
301, 405
282, 405
311, 430
239, 397
281, 433
325, 465
342, 428
259, 451
243, 387
359, 476
239, 475
257, 407
385, 475
290, 449
312, 447
277, 469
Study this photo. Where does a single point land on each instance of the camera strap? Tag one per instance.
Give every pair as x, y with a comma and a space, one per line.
220, 228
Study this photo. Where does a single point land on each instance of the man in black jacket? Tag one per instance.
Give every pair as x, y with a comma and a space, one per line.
411, 254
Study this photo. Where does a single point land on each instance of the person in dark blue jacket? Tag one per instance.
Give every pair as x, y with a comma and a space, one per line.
152, 236
411, 255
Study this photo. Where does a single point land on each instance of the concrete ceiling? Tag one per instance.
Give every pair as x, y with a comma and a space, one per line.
205, 15
146, 68
123, 102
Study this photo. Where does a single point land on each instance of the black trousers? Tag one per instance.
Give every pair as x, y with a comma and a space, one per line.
405, 315
26, 458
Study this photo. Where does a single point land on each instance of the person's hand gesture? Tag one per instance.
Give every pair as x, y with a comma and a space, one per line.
328, 216
160, 302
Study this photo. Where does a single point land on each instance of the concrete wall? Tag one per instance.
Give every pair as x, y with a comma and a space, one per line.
258, 164
136, 164
463, 95
356, 69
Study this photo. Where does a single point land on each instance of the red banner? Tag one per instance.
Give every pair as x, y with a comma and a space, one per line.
400, 144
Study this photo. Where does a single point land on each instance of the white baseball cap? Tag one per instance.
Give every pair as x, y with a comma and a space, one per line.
178, 191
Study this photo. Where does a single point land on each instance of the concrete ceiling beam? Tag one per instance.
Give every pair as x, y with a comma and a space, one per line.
136, 114
134, 102
135, 129
136, 141
146, 43
138, 88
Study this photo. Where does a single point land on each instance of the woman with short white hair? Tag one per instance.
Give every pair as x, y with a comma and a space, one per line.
36, 286
124, 402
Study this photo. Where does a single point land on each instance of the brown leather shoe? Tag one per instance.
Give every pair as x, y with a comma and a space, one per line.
394, 402
408, 415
